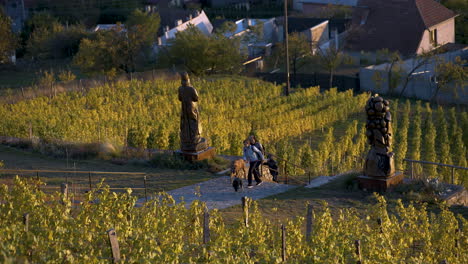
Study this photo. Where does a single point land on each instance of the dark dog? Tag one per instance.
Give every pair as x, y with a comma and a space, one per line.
237, 174
237, 184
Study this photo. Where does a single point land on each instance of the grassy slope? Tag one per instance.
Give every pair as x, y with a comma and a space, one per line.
336, 194
157, 179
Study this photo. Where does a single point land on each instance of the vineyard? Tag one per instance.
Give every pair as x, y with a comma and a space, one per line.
322, 132
54, 231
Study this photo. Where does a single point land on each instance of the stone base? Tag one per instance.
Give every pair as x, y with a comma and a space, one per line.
194, 147
196, 156
380, 184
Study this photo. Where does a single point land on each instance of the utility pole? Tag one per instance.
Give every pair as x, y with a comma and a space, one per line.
286, 47
23, 14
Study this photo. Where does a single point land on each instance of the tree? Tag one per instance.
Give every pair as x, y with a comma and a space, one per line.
103, 54
8, 40
89, 12
142, 28
118, 49
451, 76
46, 38
201, 54
330, 59
300, 52
417, 63
393, 67
461, 21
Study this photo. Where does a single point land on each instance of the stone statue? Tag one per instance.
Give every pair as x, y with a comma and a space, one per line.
379, 160
190, 129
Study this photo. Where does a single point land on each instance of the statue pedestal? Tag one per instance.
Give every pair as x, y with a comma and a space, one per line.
196, 156
380, 184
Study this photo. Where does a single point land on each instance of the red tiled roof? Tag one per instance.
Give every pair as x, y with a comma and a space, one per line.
433, 13
397, 25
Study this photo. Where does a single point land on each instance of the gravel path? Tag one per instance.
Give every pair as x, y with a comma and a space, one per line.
219, 193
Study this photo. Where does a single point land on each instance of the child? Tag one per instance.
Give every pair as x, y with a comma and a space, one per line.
273, 167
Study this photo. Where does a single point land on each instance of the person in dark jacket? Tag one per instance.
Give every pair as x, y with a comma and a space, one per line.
273, 167
253, 141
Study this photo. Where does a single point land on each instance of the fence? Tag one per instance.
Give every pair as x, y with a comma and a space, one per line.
85, 181
307, 177
341, 82
414, 174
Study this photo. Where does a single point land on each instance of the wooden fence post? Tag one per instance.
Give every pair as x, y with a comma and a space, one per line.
379, 222
412, 170
114, 243
146, 196
457, 243
26, 221
357, 243
309, 223
89, 177
206, 227
64, 190
453, 175
286, 173
245, 209
38, 179
283, 242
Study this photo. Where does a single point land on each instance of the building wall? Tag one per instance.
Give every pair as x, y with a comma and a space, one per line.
421, 85
445, 34
270, 31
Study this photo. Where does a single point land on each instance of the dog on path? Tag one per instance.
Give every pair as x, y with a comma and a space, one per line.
238, 172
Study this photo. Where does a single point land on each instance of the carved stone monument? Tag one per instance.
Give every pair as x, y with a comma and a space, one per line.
192, 145
379, 167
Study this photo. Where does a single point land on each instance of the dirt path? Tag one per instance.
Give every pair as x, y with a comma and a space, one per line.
218, 193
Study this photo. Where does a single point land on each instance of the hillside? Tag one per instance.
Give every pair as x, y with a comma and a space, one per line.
320, 131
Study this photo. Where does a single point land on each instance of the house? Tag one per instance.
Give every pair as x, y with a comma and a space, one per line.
316, 30
409, 27
257, 45
199, 20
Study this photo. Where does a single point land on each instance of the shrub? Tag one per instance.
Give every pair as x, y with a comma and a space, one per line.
136, 138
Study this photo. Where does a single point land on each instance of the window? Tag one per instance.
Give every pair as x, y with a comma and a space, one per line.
433, 36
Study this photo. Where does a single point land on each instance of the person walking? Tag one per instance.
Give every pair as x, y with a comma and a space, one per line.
254, 156
254, 142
